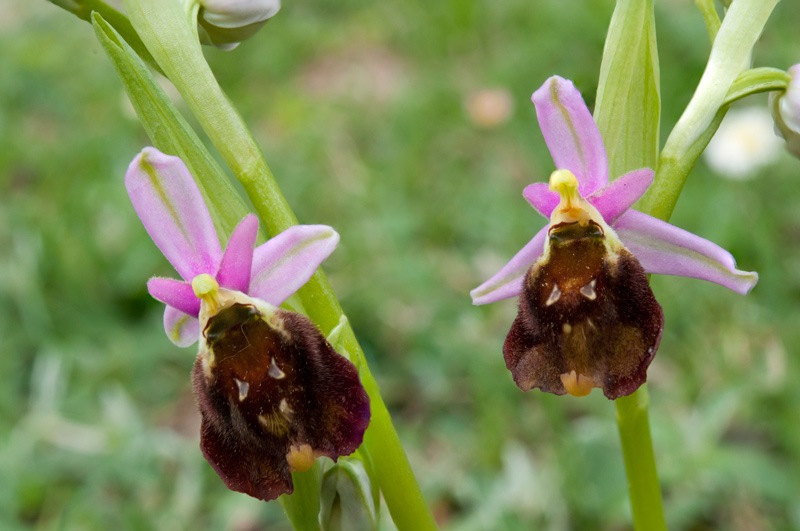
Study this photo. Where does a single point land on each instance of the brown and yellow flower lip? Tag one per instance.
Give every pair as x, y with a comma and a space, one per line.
587, 317
273, 393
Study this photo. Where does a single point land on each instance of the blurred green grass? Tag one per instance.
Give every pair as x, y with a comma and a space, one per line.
360, 109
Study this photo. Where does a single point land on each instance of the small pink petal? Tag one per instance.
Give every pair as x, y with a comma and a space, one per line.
234, 270
175, 293
665, 249
171, 207
182, 329
283, 264
613, 200
507, 282
571, 134
541, 198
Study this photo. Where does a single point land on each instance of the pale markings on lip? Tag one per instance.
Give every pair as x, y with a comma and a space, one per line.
588, 290
275, 371
244, 387
554, 296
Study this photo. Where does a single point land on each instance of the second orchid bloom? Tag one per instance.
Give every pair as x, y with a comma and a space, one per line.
273, 393
587, 317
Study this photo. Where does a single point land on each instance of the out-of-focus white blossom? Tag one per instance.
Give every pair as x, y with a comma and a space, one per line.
744, 143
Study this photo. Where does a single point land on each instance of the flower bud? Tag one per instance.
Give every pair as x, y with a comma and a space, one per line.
786, 112
348, 499
228, 22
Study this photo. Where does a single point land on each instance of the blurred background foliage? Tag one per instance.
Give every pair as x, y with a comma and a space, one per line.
408, 127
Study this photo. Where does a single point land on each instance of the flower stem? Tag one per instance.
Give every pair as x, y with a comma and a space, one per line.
729, 57
169, 35
640, 463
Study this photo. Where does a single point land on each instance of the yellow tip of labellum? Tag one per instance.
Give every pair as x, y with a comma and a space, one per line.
577, 384
206, 288
300, 457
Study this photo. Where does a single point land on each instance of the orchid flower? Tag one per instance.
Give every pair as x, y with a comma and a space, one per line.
587, 265
172, 210
273, 393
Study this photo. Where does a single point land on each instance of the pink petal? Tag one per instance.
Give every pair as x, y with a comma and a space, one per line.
571, 134
172, 210
234, 270
541, 198
182, 329
507, 282
286, 262
613, 200
175, 293
665, 249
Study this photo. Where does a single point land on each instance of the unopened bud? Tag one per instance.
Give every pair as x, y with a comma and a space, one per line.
786, 112
348, 499
228, 22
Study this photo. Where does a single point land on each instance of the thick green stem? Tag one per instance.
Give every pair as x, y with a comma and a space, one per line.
169, 35
729, 57
640, 462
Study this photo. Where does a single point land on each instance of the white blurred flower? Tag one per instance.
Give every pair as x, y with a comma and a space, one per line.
744, 143
228, 22
786, 111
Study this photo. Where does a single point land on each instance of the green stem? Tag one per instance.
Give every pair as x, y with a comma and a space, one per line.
640, 462
729, 57
169, 35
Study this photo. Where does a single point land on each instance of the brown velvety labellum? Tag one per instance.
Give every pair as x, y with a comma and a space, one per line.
587, 318
275, 395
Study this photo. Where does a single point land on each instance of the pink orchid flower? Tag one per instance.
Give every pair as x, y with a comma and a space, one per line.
587, 317
273, 393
